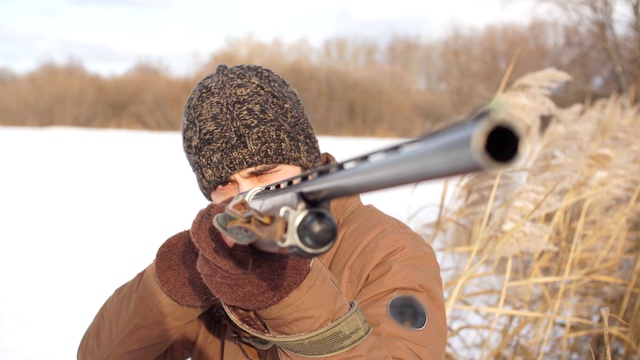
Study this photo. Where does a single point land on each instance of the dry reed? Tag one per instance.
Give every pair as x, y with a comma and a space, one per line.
543, 261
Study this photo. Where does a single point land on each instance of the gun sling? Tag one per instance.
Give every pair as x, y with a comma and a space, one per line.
341, 335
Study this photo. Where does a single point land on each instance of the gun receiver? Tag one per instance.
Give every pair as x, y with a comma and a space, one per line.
292, 216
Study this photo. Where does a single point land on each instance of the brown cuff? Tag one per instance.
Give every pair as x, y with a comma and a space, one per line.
177, 275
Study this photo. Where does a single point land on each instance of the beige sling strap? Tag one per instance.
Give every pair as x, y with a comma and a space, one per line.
339, 336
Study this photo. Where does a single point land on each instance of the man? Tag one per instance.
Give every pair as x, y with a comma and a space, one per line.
376, 294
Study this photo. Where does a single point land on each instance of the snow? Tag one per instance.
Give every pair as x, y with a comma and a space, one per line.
82, 211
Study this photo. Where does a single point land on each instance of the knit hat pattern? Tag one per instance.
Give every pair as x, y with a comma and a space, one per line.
244, 116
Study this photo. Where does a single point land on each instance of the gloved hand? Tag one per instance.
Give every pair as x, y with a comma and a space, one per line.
238, 276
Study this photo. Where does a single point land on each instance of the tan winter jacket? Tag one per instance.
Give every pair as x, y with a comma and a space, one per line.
375, 259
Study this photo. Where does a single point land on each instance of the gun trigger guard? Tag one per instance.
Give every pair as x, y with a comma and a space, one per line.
272, 232
239, 207
246, 225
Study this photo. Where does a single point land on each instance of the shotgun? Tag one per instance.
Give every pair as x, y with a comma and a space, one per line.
292, 217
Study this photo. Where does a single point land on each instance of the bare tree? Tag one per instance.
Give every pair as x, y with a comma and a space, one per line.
635, 26
600, 16
635, 9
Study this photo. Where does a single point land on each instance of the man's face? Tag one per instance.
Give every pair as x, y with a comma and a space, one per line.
250, 178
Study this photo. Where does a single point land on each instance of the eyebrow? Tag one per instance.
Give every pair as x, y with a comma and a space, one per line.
259, 170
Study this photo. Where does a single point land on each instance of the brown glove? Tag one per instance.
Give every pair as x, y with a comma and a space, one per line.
241, 275
191, 272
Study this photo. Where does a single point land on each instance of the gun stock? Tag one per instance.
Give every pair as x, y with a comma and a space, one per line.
292, 217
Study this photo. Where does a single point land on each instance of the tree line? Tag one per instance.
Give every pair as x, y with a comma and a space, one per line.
357, 86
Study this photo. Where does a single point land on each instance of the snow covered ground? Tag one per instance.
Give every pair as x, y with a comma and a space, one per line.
82, 211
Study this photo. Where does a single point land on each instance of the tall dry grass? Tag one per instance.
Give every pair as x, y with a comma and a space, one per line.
543, 261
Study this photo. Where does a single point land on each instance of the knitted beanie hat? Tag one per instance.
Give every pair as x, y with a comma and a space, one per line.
244, 116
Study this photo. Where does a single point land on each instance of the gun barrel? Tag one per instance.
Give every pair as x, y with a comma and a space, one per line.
479, 144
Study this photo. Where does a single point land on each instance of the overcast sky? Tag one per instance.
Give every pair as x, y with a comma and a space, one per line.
109, 36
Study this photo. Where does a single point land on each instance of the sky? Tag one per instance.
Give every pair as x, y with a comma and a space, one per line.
84, 210
110, 36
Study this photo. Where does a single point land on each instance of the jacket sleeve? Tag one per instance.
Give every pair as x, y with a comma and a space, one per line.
410, 269
391, 261
140, 322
